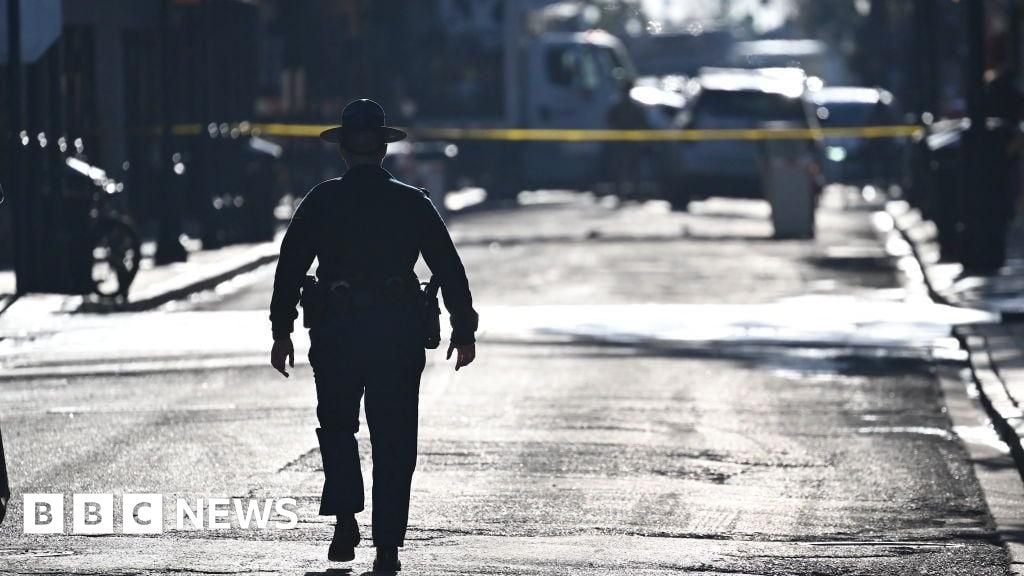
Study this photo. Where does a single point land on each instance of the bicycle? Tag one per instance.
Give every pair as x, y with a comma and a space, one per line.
116, 249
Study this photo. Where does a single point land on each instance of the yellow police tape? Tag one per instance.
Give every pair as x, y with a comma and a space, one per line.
570, 134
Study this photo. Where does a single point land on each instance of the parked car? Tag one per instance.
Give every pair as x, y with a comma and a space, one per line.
858, 161
742, 99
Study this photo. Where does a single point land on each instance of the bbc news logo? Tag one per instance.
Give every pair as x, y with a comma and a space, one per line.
93, 514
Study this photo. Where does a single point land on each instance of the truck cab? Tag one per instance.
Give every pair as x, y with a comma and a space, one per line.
552, 81
571, 82
572, 78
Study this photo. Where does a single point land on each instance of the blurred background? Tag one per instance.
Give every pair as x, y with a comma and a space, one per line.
138, 130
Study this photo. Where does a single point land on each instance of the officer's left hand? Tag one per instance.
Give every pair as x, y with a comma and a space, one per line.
465, 357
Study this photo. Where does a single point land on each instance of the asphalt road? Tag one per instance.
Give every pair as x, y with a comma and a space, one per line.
655, 392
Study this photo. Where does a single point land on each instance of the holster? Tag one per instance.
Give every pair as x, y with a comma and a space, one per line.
430, 314
313, 301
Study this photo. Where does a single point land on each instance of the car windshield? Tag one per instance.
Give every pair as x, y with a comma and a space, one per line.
749, 108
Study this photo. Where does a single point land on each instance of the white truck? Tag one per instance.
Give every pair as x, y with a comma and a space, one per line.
550, 80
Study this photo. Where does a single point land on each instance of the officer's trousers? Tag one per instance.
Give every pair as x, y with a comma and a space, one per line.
376, 351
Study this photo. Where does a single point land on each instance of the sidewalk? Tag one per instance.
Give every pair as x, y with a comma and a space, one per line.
153, 286
996, 350
157, 285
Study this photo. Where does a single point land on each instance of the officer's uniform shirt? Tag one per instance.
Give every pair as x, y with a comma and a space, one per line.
366, 227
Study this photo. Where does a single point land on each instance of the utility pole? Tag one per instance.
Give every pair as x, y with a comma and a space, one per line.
879, 24
983, 203
975, 70
926, 24
921, 50
168, 246
1013, 50
15, 170
933, 190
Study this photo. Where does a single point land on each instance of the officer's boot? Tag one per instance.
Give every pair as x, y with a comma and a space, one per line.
387, 560
346, 538
343, 491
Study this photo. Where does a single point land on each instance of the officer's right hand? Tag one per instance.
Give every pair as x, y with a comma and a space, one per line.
281, 351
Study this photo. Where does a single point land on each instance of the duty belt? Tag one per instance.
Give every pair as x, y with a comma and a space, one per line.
362, 293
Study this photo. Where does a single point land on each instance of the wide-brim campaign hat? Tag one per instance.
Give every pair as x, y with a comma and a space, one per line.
363, 127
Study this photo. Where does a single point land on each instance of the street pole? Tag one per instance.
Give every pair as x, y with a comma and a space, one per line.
984, 189
168, 247
927, 22
880, 23
921, 47
15, 195
933, 191
975, 181
975, 77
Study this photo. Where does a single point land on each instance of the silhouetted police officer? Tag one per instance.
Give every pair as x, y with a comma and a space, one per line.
367, 230
5, 488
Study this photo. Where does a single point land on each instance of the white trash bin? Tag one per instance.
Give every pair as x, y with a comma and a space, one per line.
789, 187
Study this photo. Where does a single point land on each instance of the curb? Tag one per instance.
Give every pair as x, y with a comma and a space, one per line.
6, 301
154, 298
1002, 409
198, 285
1005, 414
179, 287
985, 355
917, 232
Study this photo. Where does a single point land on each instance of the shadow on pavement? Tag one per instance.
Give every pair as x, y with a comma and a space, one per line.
994, 463
1012, 536
330, 571
798, 355
614, 238
853, 262
693, 236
